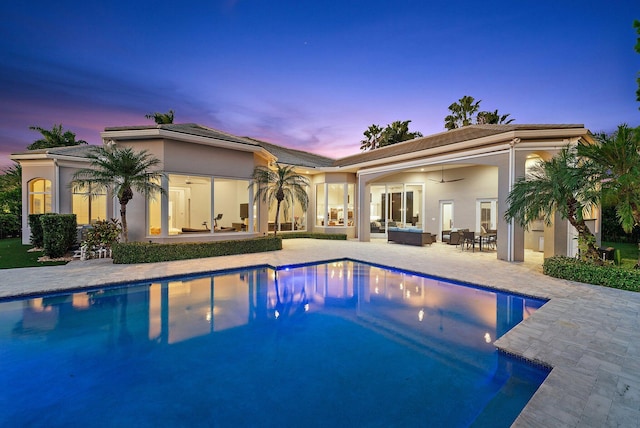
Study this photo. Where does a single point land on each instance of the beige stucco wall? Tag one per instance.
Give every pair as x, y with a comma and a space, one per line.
179, 157
60, 173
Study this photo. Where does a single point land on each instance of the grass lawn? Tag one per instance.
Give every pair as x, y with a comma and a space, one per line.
628, 252
14, 255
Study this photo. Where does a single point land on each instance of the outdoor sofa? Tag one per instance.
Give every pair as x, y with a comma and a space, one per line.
410, 236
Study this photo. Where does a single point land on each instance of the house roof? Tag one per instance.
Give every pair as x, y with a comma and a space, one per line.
80, 151
467, 133
189, 129
283, 154
296, 157
310, 160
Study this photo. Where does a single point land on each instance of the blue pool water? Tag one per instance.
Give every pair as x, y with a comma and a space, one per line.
336, 344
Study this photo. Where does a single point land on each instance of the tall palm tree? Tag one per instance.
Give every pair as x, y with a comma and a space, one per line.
462, 112
54, 138
161, 118
493, 117
280, 184
374, 136
121, 171
561, 186
397, 132
615, 162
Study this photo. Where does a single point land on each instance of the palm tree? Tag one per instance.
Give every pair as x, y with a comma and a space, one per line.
493, 117
615, 162
561, 186
279, 185
462, 112
397, 132
374, 136
121, 171
161, 118
636, 25
54, 138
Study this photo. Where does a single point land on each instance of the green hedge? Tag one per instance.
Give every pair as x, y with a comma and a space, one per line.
58, 233
331, 236
9, 225
143, 252
580, 271
37, 237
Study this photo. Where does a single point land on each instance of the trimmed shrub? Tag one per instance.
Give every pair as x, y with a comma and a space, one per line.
104, 233
37, 237
330, 236
59, 233
143, 252
9, 225
606, 275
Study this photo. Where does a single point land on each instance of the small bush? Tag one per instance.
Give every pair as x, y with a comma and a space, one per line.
37, 237
103, 233
330, 236
59, 233
142, 252
9, 225
606, 275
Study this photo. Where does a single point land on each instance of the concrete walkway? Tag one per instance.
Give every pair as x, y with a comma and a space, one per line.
589, 335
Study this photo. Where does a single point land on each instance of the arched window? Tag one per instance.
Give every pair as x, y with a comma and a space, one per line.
39, 196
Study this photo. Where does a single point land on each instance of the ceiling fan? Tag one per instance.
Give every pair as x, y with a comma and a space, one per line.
442, 180
190, 181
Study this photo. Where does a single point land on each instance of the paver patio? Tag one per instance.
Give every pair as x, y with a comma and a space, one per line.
590, 335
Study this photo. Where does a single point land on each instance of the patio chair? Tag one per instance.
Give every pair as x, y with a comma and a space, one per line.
468, 239
456, 236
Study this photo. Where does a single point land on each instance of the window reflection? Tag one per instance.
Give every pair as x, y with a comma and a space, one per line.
433, 314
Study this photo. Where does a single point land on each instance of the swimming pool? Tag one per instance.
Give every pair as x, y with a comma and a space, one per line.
333, 344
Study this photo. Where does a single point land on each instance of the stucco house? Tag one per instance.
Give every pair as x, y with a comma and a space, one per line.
454, 179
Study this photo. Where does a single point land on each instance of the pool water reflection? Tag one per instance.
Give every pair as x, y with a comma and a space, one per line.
336, 343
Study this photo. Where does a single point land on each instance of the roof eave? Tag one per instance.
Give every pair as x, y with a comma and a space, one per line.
477, 142
141, 134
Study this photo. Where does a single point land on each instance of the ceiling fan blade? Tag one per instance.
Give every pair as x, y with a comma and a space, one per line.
455, 179
435, 181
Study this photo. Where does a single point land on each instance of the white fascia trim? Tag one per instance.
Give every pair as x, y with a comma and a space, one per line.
27, 156
43, 157
435, 160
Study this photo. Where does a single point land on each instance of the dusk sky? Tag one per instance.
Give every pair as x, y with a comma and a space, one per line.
311, 75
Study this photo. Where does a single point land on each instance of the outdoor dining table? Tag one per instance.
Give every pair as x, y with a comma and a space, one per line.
469, 238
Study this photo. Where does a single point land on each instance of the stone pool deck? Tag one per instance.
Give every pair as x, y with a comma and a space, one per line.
590, 335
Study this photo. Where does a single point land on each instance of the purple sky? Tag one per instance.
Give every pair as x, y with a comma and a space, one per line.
311, 75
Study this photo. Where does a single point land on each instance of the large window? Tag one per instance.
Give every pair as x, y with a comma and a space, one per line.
321, 212
395, 205
200, 204
39, 196
231, 205
189, 204
338, 198
88, 209
486, 214
292, 216
154, 213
